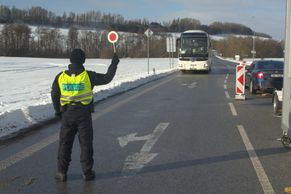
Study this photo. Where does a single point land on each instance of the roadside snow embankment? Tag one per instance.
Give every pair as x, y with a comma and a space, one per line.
16, 115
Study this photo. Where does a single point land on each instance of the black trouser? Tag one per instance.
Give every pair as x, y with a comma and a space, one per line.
76, 119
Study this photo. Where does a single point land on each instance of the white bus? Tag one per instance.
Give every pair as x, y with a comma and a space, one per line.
194, 51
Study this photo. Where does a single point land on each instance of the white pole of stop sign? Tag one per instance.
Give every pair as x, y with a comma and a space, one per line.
148, 34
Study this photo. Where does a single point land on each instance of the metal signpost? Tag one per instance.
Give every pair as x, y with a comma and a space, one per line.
286, 107
171, 49
148, 33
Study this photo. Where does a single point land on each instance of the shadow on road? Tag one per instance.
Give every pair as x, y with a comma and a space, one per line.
203, 161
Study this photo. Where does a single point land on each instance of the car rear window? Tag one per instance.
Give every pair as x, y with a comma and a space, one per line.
271, 65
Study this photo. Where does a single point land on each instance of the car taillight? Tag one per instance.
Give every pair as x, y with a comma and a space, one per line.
260, 75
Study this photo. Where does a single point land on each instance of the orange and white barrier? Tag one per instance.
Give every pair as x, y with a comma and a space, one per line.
240, 82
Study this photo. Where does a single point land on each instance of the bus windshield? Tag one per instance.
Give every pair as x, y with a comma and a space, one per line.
193, 46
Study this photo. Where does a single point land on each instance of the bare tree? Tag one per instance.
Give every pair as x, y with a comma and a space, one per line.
15, 39
72, 41
88, 42
50, 42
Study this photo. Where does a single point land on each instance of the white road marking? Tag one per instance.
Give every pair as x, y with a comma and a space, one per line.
279, 139
232, 109
27, 152
226, 78
227, 95
261, 174
13, 159
225, 87
135, 162
124, 140
154, 137
192, 85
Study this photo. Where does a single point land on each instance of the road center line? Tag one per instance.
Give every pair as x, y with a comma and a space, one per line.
232, 109
258, 167
13, 159
227, 95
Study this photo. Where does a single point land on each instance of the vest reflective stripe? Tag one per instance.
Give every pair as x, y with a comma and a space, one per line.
81, 98
75, 89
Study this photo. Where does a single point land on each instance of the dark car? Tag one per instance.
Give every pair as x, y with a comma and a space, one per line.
264, 76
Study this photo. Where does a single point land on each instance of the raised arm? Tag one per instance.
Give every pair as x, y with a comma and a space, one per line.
101, 79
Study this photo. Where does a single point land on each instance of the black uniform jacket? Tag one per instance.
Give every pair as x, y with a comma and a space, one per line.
95, 78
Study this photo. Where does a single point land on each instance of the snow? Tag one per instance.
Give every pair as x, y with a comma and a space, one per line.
26, 85
224, 36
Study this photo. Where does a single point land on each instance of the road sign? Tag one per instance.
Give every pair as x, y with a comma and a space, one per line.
148, 32
171, 44
240, 82
112, 38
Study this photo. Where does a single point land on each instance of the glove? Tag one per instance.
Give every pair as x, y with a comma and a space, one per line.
115, 59
58, 115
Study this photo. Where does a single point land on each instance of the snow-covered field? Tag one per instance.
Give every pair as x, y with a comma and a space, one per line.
26, 85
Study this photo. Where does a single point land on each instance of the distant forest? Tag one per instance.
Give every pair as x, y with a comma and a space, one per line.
98, 20
87, 31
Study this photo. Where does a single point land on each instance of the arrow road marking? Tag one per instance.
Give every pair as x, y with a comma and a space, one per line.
154, 137
135, 162
123, 141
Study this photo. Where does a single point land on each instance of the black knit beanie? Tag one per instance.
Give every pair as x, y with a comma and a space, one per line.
77, 57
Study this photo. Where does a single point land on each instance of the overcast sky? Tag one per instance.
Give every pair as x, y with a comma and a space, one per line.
267, 16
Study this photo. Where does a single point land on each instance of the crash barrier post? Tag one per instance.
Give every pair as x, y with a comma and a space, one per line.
240, 82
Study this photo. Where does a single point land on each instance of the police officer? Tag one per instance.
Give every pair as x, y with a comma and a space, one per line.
72, 99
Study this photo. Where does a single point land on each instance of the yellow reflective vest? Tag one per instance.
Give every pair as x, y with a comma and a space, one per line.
75, 89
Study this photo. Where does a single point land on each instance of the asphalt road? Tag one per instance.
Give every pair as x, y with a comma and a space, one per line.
182, 134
